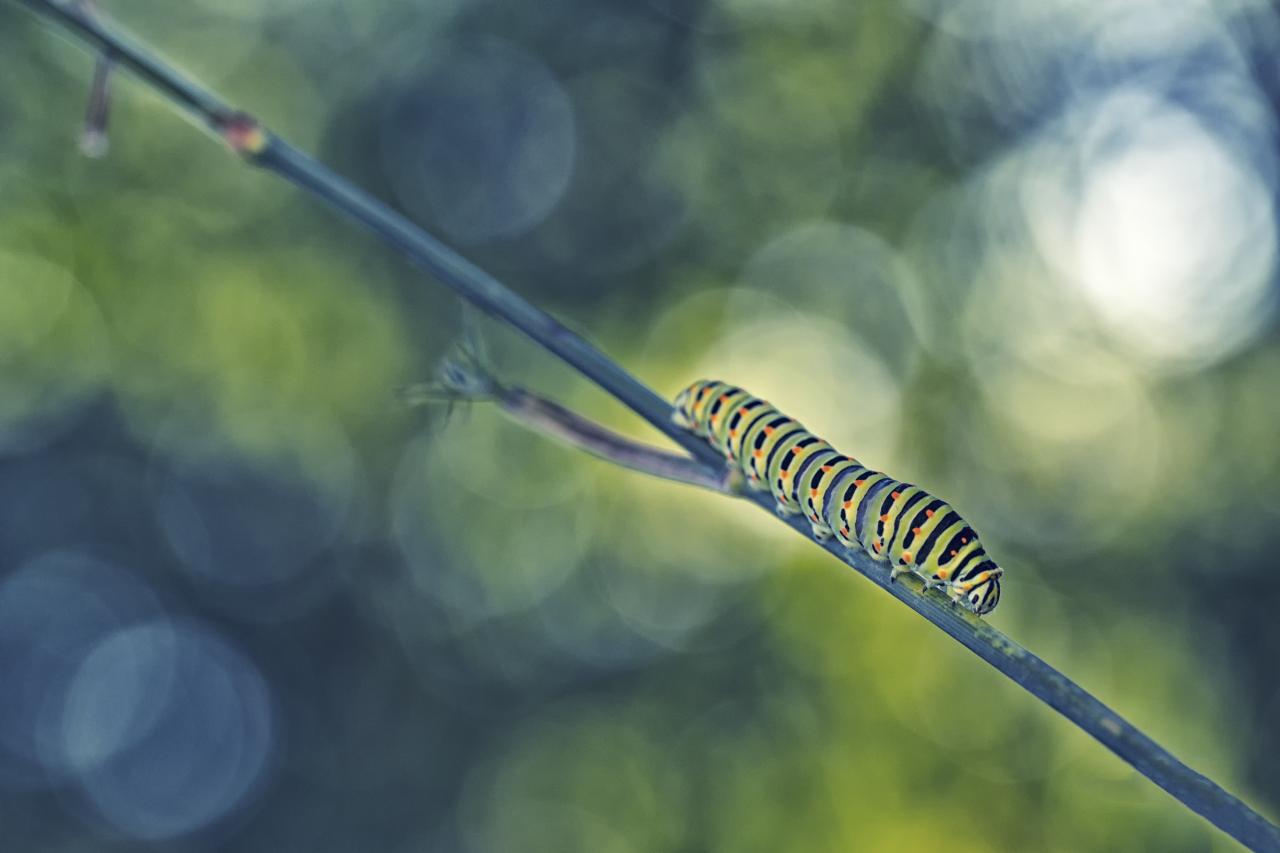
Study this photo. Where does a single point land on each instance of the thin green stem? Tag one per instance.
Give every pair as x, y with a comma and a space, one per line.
264, 149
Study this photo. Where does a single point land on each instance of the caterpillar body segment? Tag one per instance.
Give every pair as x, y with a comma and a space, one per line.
895, 523
740, 419
788, 465
821, 485
765, 436
712, 412
753, 428
897, 509
855, 494
720, 416
804, 468
698, 404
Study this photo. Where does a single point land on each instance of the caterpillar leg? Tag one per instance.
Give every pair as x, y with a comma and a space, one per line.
783, 510
930, 582
821, 532
895, 571
851, 547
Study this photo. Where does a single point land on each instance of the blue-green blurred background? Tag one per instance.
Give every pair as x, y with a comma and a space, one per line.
1023, 253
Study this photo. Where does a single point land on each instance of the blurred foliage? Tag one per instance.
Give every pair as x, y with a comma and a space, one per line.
1021, 253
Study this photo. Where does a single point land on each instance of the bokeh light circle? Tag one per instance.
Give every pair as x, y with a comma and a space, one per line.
481, 538
53, 612
1174, 234
1049, 396
850, 396
849, 275
169, 729
250, 519
625, 150
485, 146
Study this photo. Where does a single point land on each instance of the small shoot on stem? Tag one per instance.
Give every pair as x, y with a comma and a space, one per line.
93, 137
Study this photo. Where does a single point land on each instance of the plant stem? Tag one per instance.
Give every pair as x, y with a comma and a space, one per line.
264, 149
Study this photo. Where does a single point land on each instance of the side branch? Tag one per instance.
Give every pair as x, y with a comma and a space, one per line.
571, 428
259, 146
548, 417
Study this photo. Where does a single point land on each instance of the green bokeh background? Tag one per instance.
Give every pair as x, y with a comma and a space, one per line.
493, 643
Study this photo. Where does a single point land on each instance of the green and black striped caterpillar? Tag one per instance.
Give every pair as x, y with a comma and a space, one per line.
893, 522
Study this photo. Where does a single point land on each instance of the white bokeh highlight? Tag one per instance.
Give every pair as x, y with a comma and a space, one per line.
1175, 237
1163, 228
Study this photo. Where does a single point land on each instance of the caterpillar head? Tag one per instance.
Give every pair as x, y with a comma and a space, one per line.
981, 593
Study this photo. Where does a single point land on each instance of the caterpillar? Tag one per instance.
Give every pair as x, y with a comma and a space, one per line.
893, 522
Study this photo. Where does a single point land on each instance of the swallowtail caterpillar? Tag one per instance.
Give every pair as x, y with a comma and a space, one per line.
893, 522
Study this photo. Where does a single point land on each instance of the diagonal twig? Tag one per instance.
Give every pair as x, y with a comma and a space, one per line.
568, 427
262, 148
